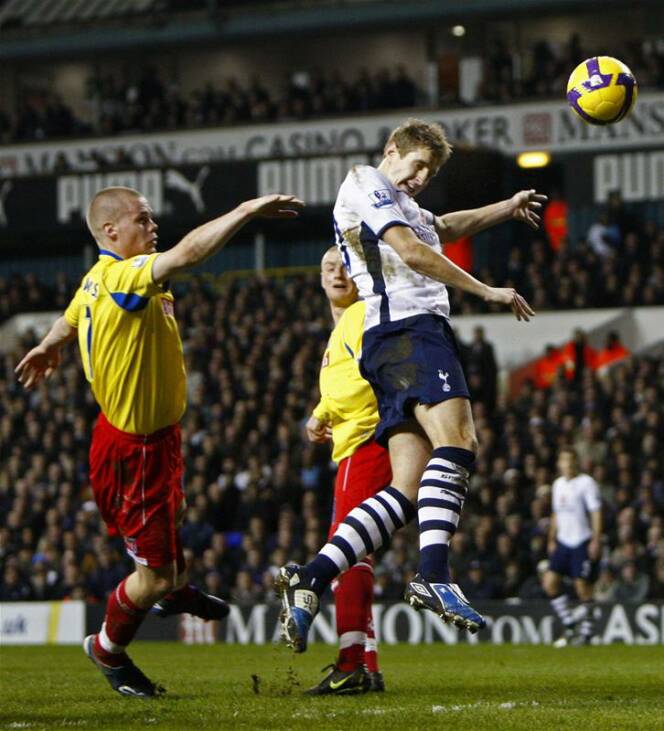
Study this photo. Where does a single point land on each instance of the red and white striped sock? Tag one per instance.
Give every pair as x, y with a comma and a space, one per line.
122, 620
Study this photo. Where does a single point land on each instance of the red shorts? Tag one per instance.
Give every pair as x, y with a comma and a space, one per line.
359, 477
137, 483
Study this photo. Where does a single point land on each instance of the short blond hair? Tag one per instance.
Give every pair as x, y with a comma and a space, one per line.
415, 133
107, 205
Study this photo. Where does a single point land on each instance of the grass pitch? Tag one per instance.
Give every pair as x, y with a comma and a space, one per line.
429, 686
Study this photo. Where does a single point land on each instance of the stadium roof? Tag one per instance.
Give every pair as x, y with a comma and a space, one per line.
48, 28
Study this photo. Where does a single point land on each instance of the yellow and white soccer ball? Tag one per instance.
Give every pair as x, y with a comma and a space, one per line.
602, 90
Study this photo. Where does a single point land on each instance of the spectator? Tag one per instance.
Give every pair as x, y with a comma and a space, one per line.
605, 587
481, 370
604, 239
632, 587
476, 585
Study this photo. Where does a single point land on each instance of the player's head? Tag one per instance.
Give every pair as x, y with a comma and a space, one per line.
339, 288
568, 462
121, 219
414, 153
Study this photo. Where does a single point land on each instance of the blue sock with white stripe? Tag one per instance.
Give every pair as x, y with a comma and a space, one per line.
439, 502
364, 530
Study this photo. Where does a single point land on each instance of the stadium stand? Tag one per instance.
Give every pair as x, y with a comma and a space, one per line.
630, 273
121, 102
259, 495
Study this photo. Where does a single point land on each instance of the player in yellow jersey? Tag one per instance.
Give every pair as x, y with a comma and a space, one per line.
348, 414
123, 316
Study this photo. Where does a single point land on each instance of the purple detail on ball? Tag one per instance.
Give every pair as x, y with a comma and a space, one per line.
592, 67
628, 81
573, 97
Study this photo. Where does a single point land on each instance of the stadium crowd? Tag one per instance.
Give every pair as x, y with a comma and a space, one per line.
259, 494
149, 103
117, 103
628, 271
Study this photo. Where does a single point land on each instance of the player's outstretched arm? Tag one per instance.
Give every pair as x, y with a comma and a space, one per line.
206, 240
522, 206
423, 259
43, 359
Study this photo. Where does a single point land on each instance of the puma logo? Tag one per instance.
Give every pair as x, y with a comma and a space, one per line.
194, 189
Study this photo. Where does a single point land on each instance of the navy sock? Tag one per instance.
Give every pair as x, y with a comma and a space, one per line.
364, 530
440, 499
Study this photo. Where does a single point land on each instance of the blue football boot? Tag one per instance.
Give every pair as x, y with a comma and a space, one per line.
445, 600
299, 606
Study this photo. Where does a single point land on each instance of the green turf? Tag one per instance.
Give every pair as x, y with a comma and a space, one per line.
429, 686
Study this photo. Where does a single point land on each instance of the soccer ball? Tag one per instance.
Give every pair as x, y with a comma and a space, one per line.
602, 90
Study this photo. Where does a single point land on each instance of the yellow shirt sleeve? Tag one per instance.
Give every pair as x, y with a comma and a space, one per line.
129, 282
321, 412
73, 309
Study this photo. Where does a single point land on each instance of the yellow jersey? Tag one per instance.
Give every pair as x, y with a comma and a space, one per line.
347, 401
130, 344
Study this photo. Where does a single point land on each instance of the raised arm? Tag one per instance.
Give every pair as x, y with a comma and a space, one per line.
206, 240
43, 359
522, 206
423, 259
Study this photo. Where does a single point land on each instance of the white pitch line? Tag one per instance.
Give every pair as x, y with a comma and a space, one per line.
505, 706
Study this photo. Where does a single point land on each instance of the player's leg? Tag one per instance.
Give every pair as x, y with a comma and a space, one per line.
353, 590
584, 572
353, 596
377, 684
559, 600
584, 614
185, 597
442, 492
131, 480
449, 426
359, 476
364, 530
125, 612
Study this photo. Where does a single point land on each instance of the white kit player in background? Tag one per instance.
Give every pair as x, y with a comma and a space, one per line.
575, 544
392, 250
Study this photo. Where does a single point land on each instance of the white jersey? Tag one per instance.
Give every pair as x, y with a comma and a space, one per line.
572, 501
367, 205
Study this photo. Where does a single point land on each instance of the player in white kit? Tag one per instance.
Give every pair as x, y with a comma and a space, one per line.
392, 250
575, 544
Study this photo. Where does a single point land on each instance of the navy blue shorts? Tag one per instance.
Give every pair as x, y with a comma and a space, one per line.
409, 362
573, 562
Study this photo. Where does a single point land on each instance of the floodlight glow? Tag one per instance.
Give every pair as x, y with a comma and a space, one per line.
533, 159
